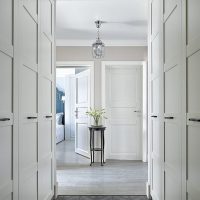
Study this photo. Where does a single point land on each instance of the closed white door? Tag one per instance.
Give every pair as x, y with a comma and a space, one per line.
193, 101
123, 107
82, 106
6, 100
28, 107
172, 100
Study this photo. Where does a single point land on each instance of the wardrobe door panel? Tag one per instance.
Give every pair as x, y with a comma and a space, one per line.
155, 56
28, 145
155, 96
172, 186
155, 17
6, 21
46, 52
172, 145
45, 102
45, 94
28, 91
6, 83
29, 40
172, 90
6, 141
27, 191
45, 179
172, 39
193, 162
45, 139
28, 101
46, 17
193, 70
193, 16
169, 5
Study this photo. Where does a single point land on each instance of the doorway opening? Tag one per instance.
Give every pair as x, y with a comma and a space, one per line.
124, 172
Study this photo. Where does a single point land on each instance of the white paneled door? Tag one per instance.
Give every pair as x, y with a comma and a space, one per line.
193, 100
6, 100
123, 106
82, 106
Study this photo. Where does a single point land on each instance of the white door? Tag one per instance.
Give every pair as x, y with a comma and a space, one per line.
82, 105
123, 106
193, 101
7, 132
28, 112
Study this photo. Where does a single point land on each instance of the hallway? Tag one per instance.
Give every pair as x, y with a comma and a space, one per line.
76, 177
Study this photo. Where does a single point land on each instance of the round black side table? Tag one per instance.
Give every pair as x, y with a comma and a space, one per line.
98, 129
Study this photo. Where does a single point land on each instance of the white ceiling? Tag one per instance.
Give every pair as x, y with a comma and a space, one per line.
75, 22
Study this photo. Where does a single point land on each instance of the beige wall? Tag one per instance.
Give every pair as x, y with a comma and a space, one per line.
112, 54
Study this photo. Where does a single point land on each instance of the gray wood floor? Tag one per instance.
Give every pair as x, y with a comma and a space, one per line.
76, 177
102, 198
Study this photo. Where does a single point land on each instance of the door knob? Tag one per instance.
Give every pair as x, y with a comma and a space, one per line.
136, 111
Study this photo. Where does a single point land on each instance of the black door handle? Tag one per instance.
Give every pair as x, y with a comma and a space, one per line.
169, 117
154, 116
31, 117
194, 120
4, 119
48, 116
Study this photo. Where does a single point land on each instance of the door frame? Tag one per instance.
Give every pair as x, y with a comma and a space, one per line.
81, 64
144, 117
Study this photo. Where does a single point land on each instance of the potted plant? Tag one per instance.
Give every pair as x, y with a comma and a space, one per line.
96, 114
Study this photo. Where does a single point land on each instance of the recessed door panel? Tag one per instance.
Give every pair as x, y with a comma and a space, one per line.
126, 79
172, 39
46, 56
28, 92
6, 87
172, 145
6, 142
169, 5
193, 82
45, 139
45, 179
29, 40
155, 137
82, 93
28, 145
119, 144
172, 90
46, 17
155, 16
6, 20
193, 162
82, 137
45, 97
156, 178
28, 187
155, 105
193, 16
155, 65
172, 186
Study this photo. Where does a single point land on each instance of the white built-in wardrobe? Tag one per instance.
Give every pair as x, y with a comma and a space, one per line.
174, 111
26, 99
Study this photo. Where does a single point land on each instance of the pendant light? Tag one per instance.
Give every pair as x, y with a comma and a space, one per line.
98, 47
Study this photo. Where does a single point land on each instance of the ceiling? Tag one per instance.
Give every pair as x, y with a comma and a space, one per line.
127, 22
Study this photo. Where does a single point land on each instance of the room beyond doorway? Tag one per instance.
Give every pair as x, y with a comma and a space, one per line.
75, 176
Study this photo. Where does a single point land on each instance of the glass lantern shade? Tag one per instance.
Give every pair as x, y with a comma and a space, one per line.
98, 49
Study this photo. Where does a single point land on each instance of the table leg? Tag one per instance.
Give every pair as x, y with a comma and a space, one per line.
93, 144
90, 147
103, 147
